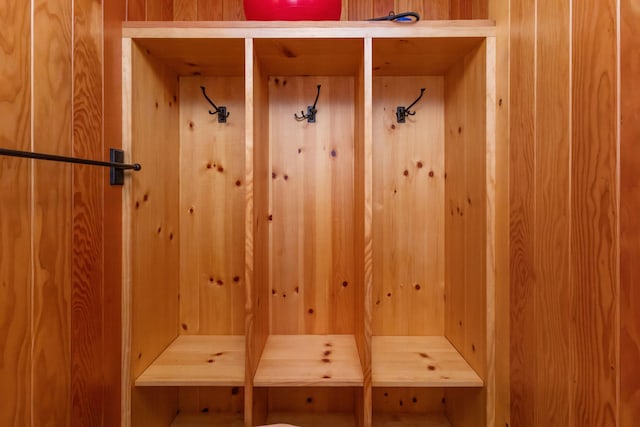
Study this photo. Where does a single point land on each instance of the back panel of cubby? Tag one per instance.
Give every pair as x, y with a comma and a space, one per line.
212, 207
313, 279
151, 218
408, 200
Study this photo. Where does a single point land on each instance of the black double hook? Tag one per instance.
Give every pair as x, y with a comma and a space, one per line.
311, 111
403, 112
220, 111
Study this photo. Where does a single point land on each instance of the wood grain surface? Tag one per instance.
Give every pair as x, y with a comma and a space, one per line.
594, 212
553, 212
114, 13
312, 247
564, 209
52, 83
352, 10
500, 10
87, 274
629, 206
212, 203
408, 208
591, 207
16, 233
522, 214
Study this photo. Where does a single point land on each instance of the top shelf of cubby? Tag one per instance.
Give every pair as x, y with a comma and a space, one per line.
310, 47
306, 29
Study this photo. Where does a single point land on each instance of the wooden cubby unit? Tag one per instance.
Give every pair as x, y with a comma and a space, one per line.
330, 273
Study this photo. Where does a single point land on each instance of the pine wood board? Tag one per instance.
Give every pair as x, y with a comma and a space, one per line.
212, 207
53, 207
208, 420
309, 360
430, 361
308, 29
189, 57
282, 419
16, 218
87, 242
419, 56
198, 360
408, 207
311, 218
410, 420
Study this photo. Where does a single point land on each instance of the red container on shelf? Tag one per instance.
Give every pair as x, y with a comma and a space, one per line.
293, 10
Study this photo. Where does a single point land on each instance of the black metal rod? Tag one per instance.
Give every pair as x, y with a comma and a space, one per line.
64, 159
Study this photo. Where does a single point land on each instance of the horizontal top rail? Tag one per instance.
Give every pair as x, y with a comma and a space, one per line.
308, 29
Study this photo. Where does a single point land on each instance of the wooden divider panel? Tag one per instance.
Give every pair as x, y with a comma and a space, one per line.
153, 252
466, 226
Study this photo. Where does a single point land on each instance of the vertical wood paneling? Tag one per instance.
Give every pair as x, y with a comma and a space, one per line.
185, 10
15, 216
552, 215
233, 10
136, 10
435, 9
114, 13
52, 98
500, 10
354, 10
382, 7
594, 211
522, 220
87, 217
460, 9
159, 10
629, 208
210, 10
564, 297
419, 6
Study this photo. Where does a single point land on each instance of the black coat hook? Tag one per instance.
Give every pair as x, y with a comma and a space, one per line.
311, 111
221, 111
402, 112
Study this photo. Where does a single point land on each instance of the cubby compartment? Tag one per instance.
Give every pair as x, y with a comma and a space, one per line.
431, 230
308, 315
185, 230
327, 270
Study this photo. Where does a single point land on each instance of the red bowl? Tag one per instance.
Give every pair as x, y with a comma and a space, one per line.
293, 10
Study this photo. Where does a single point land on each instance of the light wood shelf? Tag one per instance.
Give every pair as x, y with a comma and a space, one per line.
198, 360
410, 420
208, 420
421, 361
309, 360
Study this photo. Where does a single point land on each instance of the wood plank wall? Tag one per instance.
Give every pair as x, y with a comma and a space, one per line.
352, 10
59, 305
568, 302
